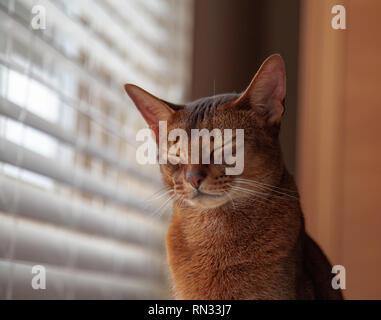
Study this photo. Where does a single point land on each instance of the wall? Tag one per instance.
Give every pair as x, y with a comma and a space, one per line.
232, 39
339, 151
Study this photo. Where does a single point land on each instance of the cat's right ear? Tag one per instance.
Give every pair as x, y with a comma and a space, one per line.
267, 90
151, 108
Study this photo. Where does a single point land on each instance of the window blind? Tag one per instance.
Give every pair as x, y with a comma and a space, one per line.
73, 199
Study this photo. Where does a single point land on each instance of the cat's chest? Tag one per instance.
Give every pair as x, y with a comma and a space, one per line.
214, 243
214, 269
221, 261
198, 276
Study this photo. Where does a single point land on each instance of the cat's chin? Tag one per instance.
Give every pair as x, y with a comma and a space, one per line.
207, 201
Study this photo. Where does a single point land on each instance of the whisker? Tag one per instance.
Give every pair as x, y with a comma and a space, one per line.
268, 187
180, 199
157, 195
256, 198
231, 199
251, 192
277, 194
158, 198
258, 193
165, 208
149, 203
162, 207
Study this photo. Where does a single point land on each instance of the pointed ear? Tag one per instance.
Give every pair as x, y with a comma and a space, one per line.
267, 90
152, 109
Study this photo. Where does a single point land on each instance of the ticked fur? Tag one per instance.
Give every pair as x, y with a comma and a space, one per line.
238, 237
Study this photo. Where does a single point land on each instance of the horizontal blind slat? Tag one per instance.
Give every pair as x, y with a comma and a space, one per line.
78, 178
88, 40
81, 106
40, 205
17, 113
69, 284
46, 244
22, 32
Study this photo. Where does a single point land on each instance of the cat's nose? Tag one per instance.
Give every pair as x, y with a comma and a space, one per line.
194, 176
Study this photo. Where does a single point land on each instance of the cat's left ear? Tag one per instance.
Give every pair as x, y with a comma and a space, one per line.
267, 90
151, 108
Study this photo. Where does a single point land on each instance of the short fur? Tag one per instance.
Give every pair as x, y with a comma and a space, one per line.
231, 239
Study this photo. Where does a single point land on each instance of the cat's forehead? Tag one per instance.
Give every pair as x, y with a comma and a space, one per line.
201, 112
206, 103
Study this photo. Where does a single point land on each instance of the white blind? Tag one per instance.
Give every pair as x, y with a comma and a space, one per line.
72, 197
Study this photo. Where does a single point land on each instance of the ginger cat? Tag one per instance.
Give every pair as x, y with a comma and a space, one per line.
238, 236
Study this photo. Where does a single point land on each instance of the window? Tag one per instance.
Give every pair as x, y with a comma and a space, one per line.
72, 196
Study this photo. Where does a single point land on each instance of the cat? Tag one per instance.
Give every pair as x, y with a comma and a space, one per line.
238, 236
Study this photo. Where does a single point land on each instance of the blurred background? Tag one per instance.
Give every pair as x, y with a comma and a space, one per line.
73, 198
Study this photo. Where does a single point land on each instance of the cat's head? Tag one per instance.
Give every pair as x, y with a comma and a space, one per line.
258, 110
